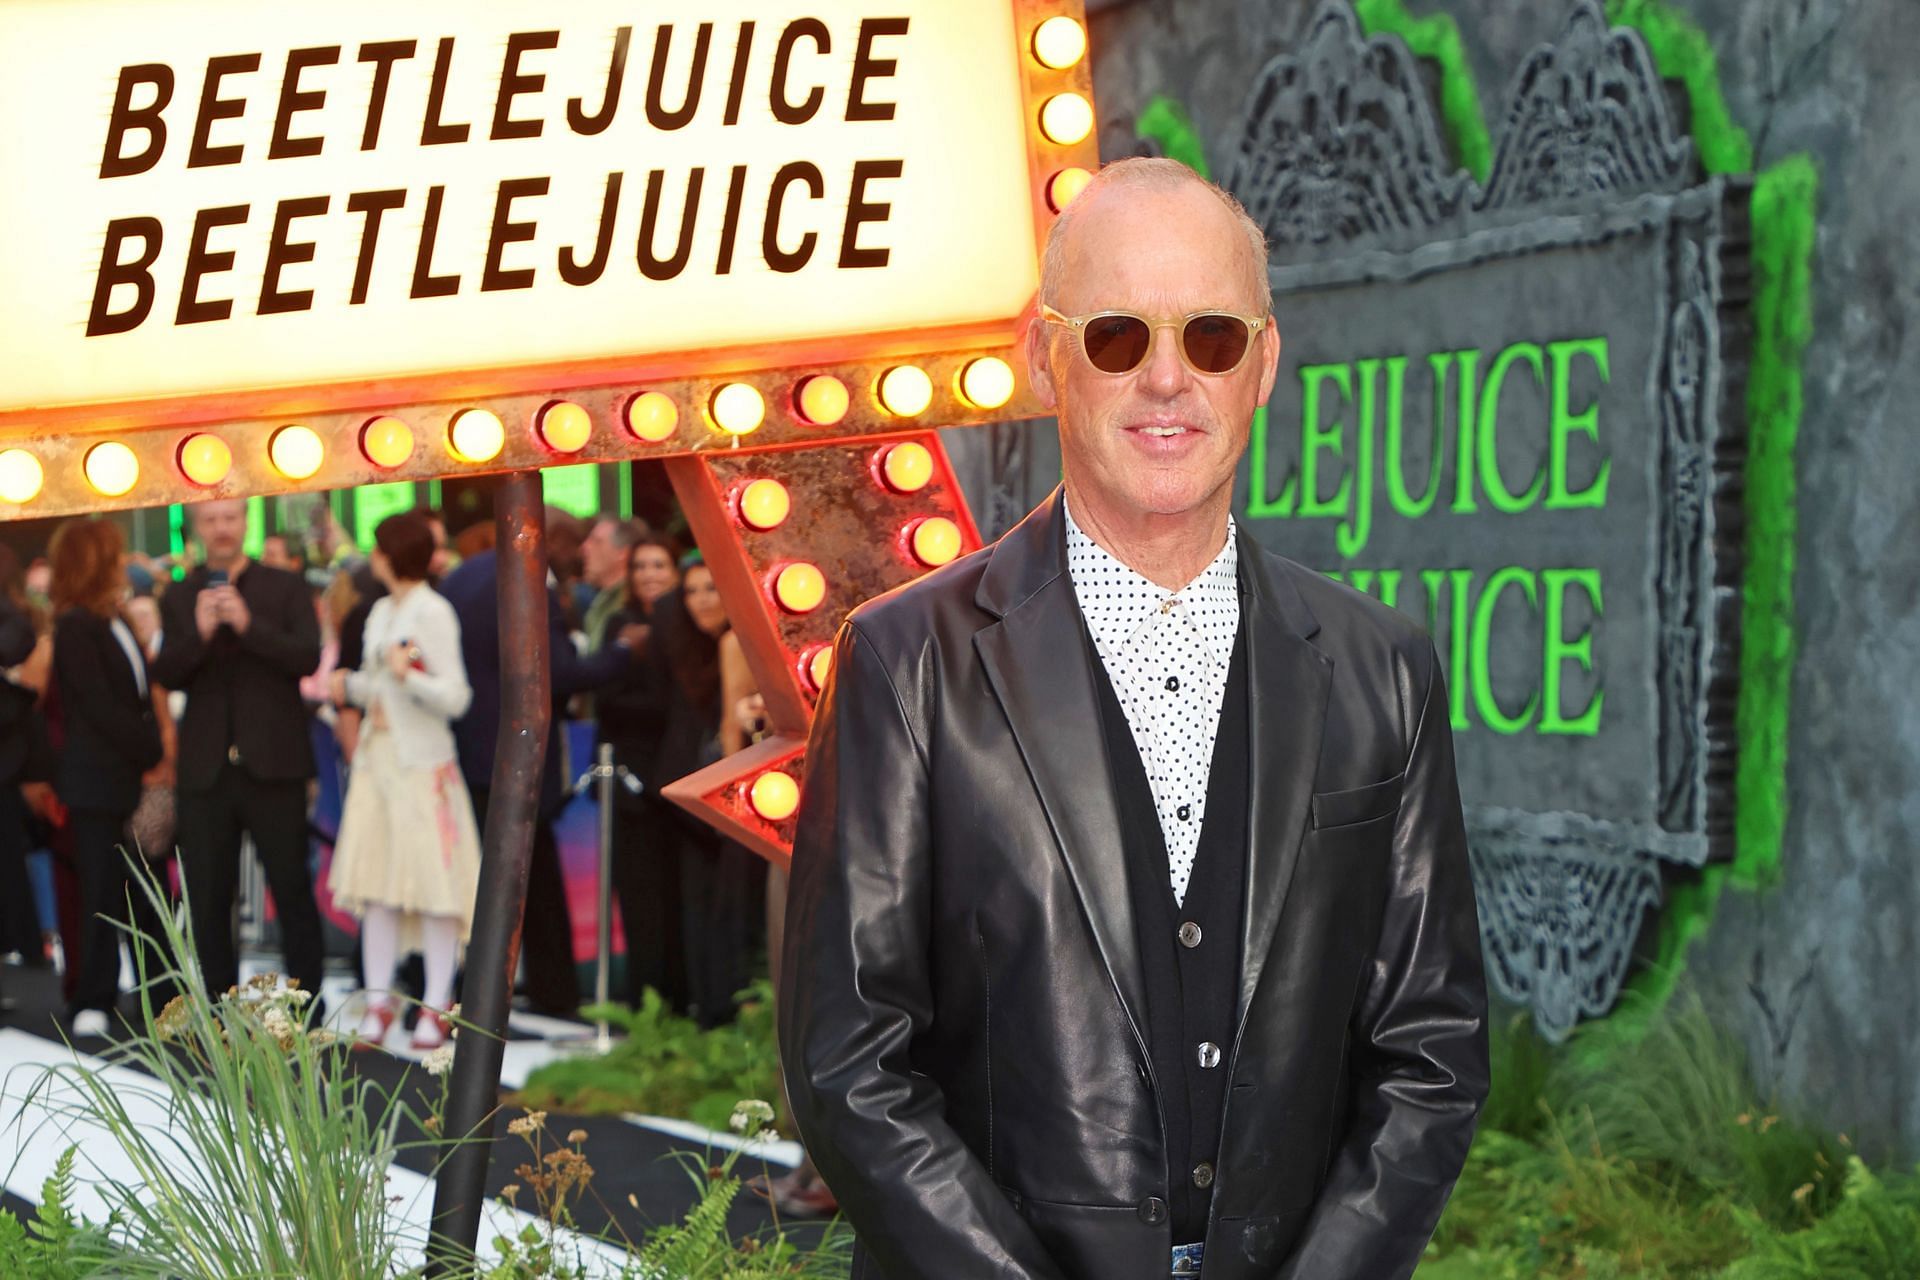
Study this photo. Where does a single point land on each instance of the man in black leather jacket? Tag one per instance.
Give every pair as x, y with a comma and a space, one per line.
1131, 932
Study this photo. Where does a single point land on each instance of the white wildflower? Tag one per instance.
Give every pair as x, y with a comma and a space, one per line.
439, 1061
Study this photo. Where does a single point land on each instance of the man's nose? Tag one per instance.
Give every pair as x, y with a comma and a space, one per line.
1165, 374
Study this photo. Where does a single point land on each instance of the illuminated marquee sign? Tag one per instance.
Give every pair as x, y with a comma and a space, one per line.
254, 248
1513, 410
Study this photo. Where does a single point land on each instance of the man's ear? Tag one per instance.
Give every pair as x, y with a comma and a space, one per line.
1269, 358
1040, 361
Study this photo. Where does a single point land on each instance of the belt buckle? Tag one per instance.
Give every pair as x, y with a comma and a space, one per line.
1186, 1259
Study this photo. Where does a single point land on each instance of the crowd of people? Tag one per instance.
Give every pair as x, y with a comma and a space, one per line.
172, 713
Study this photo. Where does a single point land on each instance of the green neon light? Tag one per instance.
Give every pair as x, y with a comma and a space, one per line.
1437, 37
373, 503
574, 489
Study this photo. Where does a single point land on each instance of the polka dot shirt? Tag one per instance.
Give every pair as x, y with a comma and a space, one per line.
1167, 654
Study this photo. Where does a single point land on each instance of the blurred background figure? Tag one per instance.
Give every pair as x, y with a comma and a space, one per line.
408, 855
603, 566
722, 885
237, 639
111, 748
552, 983
23, 756
632, 716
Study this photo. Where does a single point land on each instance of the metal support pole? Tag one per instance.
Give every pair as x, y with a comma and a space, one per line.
513, 807
604, 772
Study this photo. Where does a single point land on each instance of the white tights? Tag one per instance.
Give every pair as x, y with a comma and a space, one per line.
379, 953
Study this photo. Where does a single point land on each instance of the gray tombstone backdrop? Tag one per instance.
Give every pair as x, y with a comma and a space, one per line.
1815, 971
1515, 411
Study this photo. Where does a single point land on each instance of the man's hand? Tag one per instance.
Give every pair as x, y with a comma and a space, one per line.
206, 612
633, 637
751, 714
233, 610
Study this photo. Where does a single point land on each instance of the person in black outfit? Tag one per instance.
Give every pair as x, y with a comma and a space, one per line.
112, 740
718, 879
22, 744
546, 940
238, 638
632, 717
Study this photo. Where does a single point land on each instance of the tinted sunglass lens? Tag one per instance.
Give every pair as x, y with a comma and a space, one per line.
1115, 344
1215, 343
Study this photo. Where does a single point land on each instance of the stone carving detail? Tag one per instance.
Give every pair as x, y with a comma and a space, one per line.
1586, 117
1339, 158
1558, 924
1339, 144
1692, 343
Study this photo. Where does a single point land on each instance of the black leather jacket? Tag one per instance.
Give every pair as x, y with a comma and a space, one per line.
961, 1006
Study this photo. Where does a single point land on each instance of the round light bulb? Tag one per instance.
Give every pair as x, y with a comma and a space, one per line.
906, 391
652, 416
799, 587
774, 795
1059, 43
987, 383
815, 665
205, 459
565, 426
935, 541
738, 408
477, 435
112, 469
386, 442
764, 504
906, 467
21, 476
1066, 118
1065, 185
296, 452
824, 400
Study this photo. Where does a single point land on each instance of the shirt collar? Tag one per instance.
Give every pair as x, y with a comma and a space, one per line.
1117, 601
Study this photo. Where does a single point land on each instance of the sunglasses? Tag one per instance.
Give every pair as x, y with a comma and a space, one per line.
1211, 342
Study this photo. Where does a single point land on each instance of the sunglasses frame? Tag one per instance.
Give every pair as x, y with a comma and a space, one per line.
1078, 325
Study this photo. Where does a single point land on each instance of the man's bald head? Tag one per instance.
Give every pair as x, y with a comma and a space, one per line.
1147, 174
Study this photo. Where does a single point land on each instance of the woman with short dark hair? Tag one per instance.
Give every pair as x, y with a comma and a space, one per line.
408, 855
111, 747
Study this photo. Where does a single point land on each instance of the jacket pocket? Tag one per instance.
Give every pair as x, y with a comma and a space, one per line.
1361, 804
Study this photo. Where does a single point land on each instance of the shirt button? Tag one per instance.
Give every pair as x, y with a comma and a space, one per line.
233, 755
1173, 684
1203, 1175
1184, 813
1209, 1055
1153, 1211
1189, 935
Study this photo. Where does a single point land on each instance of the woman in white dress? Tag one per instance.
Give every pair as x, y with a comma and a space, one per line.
408, 855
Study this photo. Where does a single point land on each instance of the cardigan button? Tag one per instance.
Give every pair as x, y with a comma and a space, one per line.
1153, 1211
1189, 935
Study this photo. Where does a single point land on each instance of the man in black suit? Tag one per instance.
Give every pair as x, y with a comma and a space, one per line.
238, 638
546, 939
1130, 930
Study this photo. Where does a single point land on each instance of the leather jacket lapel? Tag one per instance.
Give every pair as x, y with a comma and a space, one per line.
1036, 660
1287, 685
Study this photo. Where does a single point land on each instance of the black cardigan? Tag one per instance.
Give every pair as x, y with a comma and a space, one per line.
111, 735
